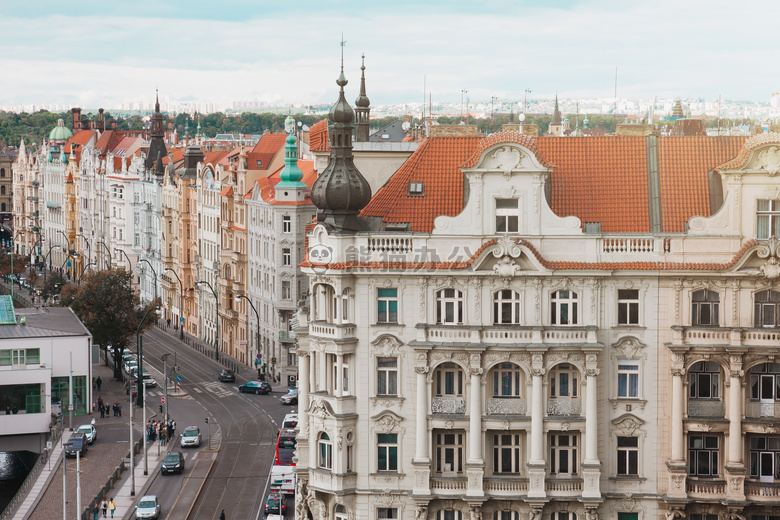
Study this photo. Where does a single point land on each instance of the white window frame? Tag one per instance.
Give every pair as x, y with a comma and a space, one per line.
324, 451
564, 299
628, 307
628, 379
508, 373
387, 376
387, 443
564, 446
707, 299
508, 216
712, 453
443, 372
286, 256
507, 299
629, 455
386, 300
286, 290
507, 444
286, 224
569, 374
449, 514
456, 448
387, 513
449, 299
767, 218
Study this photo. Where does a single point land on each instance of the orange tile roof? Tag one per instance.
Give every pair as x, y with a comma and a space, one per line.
505, 137
259, 161
318, 136
177, 154
107, 142
270, 143
228, 192
214, 157
744, 154
125, 143
600, 179
436, 163
268, 184
684, 163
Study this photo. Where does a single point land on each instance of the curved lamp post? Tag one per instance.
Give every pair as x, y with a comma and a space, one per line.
110, 260
181, 303
154, 273
140, 396
89, 249
48, 255
257, 336
84, 271
73, 256
216, 340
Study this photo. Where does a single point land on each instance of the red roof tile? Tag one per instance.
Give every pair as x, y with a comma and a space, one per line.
270, 143
107, 142
214, 157
318, 137
684, 164
228, 192
744, 154
505, 137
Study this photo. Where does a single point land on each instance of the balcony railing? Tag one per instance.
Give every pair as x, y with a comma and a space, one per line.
756, 410
563, 485
762, 490
698, 408
287, 335
722, 336
519, 335
705, 487
332, 330
505, 406
449, 484
448, 405
505, 485
564, 406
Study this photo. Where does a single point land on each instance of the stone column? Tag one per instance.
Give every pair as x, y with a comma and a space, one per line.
591, 467
536, 465
303, 391
735, 468
338, 382
678, 403
421, 462
475, 417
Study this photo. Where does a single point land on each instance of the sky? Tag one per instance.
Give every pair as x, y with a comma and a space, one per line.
100, 54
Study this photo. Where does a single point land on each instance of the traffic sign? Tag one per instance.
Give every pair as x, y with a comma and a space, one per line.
259, 356
162, 400
181, 320
178, 379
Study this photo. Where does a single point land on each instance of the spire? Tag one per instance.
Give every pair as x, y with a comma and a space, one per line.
291, 175
157, 142
362, 105
340, 191
556, 117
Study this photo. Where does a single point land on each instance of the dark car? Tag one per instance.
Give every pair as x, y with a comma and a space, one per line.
227, 376
76, 444
173, 463
275, 504
256, 387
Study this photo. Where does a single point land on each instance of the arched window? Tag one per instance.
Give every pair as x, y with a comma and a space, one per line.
325, 451
564, 379
2, 172
507, 380
341, 513
563, 308
706, 307
449, 380
506, 307
767, 305
704, 382
449, 306
449, 514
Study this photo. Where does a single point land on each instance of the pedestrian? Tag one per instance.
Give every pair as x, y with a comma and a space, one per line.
99, 382
104, 507
127, 387
95, 511
111, 506
102, 410
116, 412
173, 427
163, 437
169, 323
222, 515
7, 410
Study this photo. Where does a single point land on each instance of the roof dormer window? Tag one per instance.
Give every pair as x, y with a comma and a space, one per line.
507, 215
416, 189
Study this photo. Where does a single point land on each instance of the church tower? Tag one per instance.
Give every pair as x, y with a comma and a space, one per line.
157, 144
362, 107
556, 124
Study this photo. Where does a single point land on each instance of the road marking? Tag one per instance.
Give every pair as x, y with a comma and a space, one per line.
218, 389
197, 389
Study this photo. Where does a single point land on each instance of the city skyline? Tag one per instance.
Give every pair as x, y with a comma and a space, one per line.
96, 55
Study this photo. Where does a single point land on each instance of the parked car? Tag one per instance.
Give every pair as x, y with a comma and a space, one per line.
290, 421
149, 381
148, 507
173, 463
291, 397
76, 444
227, 376
190, 436
274, 503
130, 365
90, 431
256, 387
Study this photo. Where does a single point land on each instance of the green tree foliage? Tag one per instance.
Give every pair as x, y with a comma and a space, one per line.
20, 264
30, 127
54, 284
110, 310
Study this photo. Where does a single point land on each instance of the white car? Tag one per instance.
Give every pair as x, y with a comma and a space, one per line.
90, 431
190, 436
148, 507
130, 364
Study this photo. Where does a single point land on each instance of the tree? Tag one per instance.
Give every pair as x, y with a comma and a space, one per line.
54, 284
20, 264
111, 311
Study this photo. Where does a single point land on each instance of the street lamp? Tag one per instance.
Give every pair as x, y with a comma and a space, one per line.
13, 253
73, 256
181, 303
154, 273
84, 271
140, 396
216, 340
257, 337
110, 260
129, 263
48, 255
89, 249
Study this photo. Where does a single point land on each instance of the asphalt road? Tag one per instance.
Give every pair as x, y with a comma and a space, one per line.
244, 425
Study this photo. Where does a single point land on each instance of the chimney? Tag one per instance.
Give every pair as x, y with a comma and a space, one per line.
113, 125
101, 121
76, 119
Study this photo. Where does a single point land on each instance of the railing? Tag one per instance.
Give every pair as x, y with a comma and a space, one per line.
705, 487
761, 337
563, 406
505, 406
565, 336
722, 336
448, 484
287, 335
706, 408
563, 485
451, 405
762, 489
390, 245
628, 245
757, 410
710, 336
332, 330
503, 335
505, 485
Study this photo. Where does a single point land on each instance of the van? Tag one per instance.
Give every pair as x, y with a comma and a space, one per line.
290, 421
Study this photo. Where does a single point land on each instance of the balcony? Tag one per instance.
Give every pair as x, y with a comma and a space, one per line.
333, 330
566, 486
35, 184
705, 488
564, 406
449, 486
448, 405
762, 491
505, 406
333, 481
725, 337
505, 487
287, 336
519, 336
706, 408
758, 410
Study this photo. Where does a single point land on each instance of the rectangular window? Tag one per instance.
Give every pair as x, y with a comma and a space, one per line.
703, 455
563, 454
507, 215
387, 452
629, 516
765, 458
387, 513
5, 358
416, 189
286, 290
507, 453
387, 376
628, 379
767, 219
286, 256
628, 456
33, 356
449, 452
628, 307
286, 224
387, 306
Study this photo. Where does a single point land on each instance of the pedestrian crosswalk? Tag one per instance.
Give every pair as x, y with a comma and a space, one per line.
219, 389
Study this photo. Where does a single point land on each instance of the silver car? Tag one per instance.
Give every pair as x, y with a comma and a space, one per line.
190, 437
148, 507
